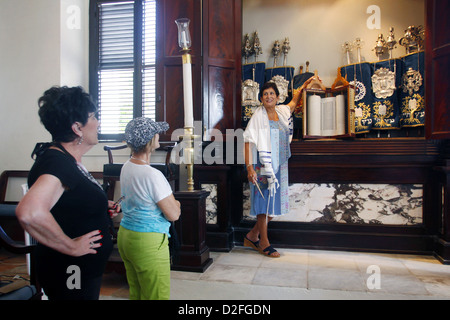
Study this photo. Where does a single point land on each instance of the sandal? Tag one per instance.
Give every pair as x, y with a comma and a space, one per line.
269, 251
251, 244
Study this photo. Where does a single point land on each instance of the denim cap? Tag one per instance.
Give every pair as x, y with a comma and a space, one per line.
140, 131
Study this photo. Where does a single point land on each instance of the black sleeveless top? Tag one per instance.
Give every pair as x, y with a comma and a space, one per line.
82, 208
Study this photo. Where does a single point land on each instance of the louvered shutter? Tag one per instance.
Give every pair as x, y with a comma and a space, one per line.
126, 63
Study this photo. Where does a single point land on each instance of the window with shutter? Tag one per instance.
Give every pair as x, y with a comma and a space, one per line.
122, 62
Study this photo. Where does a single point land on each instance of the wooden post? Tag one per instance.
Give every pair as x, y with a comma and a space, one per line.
193, 254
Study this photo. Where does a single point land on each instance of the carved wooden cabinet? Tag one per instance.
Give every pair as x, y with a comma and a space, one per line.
216, 57
438, 110
437, 67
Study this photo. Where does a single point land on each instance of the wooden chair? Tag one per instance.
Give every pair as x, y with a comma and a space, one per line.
8, 219
32, 291
111, 170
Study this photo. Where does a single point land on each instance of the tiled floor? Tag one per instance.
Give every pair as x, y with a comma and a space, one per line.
244, 274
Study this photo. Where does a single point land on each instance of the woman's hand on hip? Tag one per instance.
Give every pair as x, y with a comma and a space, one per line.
86, 244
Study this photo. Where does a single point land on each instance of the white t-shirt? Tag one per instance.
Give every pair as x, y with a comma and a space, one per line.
143, 187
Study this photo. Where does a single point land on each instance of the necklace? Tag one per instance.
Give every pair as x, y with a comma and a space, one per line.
143, 161
86, 173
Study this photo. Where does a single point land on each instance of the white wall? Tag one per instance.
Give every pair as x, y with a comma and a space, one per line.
42, 43
317, 29
74, 25
29, 64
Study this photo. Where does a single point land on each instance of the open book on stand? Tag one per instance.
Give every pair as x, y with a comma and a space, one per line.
329, 112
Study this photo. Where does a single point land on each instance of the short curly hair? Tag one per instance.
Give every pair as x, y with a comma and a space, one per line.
269, 85
61, 107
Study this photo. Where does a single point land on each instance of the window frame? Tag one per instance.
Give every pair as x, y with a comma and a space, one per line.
138, 63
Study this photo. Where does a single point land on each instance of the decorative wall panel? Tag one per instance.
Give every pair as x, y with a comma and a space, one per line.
211, 202
382, 204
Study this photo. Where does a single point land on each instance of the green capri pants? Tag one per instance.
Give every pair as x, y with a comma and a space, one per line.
147, 263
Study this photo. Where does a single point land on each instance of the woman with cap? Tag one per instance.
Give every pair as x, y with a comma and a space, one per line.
148, 208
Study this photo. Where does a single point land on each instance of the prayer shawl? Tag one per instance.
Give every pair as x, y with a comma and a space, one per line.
257, 134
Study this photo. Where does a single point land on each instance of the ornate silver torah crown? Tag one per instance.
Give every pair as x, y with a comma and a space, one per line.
250, 92
411, 80
283, 86
383, 83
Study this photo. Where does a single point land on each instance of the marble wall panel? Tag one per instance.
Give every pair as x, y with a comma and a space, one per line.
382, 204
211, 202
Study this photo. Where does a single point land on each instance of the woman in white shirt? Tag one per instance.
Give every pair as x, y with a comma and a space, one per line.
148, 207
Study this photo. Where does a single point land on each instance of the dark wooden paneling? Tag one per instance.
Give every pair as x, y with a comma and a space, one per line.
169, 72
364, 161
221, 29
216, 63
221, 64
176, 9
369, 147
437, 61
219, 235
221, 104
174, 106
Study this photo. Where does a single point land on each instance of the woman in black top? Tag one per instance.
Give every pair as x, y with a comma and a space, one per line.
65, 209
